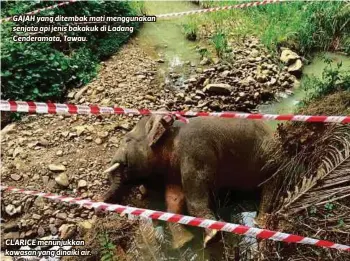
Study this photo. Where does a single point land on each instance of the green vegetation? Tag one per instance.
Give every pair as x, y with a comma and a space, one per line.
43, 71
107, 248
302, 26
219, 40
333, 80
191, 30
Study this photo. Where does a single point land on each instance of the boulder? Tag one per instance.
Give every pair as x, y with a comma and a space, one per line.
295, 67
288, 56
218, 88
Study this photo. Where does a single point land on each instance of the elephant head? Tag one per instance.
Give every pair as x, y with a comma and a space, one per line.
136, 156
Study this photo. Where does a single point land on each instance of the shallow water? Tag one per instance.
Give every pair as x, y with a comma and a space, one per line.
165, 39
315, 68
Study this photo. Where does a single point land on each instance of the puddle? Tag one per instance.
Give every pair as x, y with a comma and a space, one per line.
166, 41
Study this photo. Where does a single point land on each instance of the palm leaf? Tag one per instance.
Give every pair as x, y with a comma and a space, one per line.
330, 181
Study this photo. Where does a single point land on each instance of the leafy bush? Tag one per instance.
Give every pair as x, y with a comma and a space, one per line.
42, 71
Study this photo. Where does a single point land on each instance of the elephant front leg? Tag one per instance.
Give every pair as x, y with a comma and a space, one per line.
175, 201
196, 187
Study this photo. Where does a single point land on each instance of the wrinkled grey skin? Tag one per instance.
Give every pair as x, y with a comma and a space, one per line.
207, 154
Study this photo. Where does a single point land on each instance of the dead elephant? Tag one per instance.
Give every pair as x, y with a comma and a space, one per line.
207, 154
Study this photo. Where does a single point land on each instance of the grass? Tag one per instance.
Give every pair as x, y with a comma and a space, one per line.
304, 27
190, 30
219, 40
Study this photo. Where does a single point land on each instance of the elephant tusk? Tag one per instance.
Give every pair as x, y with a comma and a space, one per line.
113, 167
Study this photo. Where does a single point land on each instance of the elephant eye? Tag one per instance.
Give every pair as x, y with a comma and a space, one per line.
127, 139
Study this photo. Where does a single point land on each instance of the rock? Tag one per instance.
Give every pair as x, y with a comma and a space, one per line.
88, 138
200, 93
80, 130
82, 183
254, 53
216, 60
203, 104
36, 216
247, 81
57, 168
30, 234
61, 215
17, 151
218, 88
59, 153
188, 100
288, 56
102, 134
114, 140
39, 202
241, 94
10, 210
224, 74
295, 67
67, 231
45, 179
205, 61
43, 142
143, 190
62, 179
150, 98
41, 231
141, 76
273, 81
71, 95
85, 226
53, 229
98, 141
15, 177
80, 92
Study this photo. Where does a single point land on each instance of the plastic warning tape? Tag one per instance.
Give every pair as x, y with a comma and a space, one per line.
222, 8
41, 9
56, 108
185, 220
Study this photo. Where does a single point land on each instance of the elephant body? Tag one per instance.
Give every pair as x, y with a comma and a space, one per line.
201, 157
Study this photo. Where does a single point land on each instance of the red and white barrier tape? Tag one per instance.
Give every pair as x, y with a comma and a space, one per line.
222, 8
41, 9
186, 220
56, 108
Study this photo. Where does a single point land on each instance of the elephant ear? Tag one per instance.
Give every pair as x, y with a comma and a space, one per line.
156, 126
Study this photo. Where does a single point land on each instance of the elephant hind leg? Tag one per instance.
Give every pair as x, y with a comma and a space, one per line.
196, 179
175, 201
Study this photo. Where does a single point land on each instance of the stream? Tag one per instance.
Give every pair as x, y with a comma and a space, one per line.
165, 40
